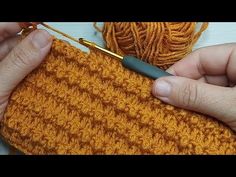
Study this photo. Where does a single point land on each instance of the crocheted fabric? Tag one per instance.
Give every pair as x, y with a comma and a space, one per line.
79, 103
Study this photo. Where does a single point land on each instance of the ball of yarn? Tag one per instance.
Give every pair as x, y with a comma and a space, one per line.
158, 43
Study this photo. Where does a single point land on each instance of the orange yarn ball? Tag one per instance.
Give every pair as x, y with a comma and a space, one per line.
158, 43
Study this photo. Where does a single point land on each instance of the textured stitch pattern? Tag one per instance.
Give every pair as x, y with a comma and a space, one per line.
79, 103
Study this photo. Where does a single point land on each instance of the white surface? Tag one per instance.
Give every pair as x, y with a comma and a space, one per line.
216, 33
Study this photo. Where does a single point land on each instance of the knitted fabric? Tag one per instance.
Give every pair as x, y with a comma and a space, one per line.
79, 103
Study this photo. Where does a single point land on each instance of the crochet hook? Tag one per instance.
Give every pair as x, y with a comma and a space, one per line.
130, 62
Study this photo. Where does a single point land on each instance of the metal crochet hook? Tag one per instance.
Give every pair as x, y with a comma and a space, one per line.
130, 62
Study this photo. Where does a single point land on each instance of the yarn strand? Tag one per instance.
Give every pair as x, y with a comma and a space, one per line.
159, 43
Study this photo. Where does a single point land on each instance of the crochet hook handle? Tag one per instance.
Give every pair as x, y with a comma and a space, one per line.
143, 68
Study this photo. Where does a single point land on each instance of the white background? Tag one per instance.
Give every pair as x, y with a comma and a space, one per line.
216, 33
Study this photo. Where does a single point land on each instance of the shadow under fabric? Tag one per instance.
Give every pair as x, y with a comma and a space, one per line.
87, 103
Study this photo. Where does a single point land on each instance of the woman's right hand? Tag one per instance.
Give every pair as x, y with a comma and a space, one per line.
204, 81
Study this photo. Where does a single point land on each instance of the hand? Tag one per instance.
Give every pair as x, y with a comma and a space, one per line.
19, 57
204, 82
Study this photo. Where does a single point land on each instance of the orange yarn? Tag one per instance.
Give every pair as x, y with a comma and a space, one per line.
159, 43
79, 103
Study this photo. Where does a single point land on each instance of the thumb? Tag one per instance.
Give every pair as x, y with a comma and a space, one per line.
212, 100
28, 54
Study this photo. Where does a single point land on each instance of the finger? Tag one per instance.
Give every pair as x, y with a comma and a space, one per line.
7, 45
8, 30
214, 60
215, 80
212, 100
3, 105
23, 59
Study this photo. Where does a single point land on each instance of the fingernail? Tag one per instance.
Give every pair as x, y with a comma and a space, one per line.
162, 89
41, 39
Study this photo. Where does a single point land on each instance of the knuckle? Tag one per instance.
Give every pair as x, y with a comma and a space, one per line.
22, 57
189, 95
232, 93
